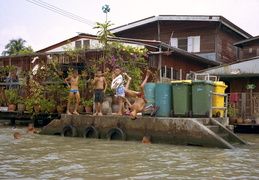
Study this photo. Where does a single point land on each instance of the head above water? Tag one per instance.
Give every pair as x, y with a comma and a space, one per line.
17, 135
30, 126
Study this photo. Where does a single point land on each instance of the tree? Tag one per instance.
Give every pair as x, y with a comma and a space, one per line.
104, 33
16, 46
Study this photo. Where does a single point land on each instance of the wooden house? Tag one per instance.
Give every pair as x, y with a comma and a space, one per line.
242, 77
211, 37
248, 48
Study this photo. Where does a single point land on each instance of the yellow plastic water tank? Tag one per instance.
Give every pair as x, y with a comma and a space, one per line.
218, 101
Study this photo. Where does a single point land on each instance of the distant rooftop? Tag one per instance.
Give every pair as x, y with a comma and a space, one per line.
151, 19
240, 43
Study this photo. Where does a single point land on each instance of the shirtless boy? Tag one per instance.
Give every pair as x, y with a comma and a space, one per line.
73, 86
99, 92
140, 101
31, 129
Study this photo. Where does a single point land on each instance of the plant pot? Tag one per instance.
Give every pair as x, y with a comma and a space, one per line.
80, 109
88, 109
232, 119
60, 73
240, 120
60, 109
11, 107
21, 107
115, 108
36, 108
115, 100
53, 110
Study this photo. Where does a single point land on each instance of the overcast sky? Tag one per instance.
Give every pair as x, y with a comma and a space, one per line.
41, 27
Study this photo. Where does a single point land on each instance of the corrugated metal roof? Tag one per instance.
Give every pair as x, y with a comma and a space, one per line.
248, 67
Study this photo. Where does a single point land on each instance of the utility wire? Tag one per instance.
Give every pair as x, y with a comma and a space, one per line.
61, 12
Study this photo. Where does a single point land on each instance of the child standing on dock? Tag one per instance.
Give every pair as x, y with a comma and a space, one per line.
73, 86
117, 83
99, 92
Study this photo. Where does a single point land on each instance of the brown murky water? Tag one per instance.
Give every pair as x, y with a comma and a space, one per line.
54, 157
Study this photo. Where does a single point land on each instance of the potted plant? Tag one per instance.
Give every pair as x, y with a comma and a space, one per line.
35, 96
21, 104
47, 105
232, 113
11, 98
88, 104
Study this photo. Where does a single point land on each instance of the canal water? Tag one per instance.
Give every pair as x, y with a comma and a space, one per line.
37, 156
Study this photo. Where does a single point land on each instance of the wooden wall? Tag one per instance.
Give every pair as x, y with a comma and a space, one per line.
250, 50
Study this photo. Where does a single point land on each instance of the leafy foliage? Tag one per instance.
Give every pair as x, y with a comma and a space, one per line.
16, 46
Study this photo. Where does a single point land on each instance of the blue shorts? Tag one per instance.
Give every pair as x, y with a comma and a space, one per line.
120, 91
74, 90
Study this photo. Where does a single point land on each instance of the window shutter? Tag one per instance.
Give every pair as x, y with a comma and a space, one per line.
174, 42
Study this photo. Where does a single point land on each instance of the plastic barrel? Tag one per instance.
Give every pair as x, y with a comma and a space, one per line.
218, 101
201, 92
182, 97
150, 96
163, 99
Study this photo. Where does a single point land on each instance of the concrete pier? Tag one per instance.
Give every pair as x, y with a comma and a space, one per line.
205, 132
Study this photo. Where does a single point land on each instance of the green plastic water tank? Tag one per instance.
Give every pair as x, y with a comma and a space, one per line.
150, 96
201, 92
163, 99
182, 97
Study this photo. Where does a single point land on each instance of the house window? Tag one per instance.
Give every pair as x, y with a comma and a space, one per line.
66, 60
250, 50
86, 43
78, 44
171, 73
190, 44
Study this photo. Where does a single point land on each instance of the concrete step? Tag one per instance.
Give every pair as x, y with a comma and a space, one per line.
224, 136
204, 121
213, 128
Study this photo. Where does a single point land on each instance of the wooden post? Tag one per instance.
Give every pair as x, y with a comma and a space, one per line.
251, 103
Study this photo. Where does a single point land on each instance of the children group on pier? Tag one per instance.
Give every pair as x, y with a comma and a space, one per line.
100, 89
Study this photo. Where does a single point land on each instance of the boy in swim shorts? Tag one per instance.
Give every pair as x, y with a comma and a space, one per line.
117, 83
73, 86
140, 99
99, 92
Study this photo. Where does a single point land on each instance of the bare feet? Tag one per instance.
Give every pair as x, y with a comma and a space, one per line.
68, 113
118, 114
76, 113
129, 78
100, 114
95, 114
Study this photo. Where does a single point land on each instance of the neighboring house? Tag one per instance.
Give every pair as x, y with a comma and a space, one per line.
248, 48
211, 37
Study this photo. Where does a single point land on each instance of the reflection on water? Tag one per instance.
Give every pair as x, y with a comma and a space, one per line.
54, 157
